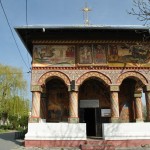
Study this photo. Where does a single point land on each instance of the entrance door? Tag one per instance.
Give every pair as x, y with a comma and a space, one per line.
89, 119
93, 119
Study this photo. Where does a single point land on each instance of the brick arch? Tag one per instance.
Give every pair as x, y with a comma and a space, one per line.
93, 74
50, 74
134, 75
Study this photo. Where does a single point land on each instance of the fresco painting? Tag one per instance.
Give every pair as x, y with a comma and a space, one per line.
127, 53
85, 54
99, 54
54, 54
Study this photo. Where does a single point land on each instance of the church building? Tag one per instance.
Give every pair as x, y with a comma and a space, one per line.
88, 81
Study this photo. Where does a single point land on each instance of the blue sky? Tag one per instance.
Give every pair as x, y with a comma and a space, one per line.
55, 12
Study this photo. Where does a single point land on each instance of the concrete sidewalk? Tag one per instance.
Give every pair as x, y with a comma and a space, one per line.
8, 142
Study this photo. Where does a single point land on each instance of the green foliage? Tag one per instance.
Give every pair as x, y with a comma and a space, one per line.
12, 91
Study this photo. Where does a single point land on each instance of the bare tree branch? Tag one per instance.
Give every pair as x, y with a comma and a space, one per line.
141, 9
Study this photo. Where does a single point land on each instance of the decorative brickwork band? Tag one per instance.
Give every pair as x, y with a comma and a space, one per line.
94, 74
114, 107
132, 74
73, 107
57, 74
138, 104
36, 105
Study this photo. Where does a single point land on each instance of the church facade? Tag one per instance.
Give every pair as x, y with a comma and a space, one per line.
86, 77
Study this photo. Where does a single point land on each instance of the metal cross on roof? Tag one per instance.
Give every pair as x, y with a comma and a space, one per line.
86, 10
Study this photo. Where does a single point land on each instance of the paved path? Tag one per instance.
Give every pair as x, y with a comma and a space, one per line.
8, 142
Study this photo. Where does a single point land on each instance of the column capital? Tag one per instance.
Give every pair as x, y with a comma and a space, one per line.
146, 88
138, 94
36, 88
114, 88
75, 88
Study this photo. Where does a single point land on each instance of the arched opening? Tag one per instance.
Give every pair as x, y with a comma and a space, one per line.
127, 99
57, 101
94, 97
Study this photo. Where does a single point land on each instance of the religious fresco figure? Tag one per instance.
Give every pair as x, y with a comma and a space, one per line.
113, 52
100, 54
85, 54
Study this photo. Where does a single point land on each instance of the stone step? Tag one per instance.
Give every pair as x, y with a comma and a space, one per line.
97, 147
98, 142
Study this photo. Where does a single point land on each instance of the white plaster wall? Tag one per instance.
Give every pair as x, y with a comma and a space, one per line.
126, 131
56, 131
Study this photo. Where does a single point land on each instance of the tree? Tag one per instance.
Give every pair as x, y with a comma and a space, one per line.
141, 9
12, 91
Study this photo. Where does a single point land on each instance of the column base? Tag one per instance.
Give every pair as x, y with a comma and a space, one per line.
34, 120
139, 120
148, 120
114, 120
73, 120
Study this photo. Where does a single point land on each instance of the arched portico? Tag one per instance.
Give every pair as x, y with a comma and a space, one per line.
40, 95
130, 94
94, 96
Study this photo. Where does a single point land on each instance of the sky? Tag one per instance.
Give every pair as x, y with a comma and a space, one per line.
54, 12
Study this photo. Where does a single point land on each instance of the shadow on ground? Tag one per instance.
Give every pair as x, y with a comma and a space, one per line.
8, 141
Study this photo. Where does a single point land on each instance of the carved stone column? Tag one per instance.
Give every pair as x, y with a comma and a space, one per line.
36, 98
147, 97
73, 106
114, 103
138, 106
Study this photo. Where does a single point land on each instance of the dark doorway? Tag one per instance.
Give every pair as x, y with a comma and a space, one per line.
89, 119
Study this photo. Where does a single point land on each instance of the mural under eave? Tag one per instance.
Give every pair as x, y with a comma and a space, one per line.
54, 55
95, 54
92, 54
125, 53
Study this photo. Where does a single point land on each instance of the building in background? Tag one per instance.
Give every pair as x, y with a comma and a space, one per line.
87, 81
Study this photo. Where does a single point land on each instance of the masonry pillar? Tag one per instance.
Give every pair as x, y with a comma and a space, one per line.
73, 105
147, 97
138, 106
43, 109
36, 98
114, 103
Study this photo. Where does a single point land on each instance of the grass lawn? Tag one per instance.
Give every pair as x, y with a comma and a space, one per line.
3, 131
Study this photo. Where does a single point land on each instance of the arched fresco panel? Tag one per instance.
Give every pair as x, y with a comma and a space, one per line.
94, 74
49, 75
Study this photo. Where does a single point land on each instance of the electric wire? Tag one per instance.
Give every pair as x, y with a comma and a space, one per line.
26, 30
13, 35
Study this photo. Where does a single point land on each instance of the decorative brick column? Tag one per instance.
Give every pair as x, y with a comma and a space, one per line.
43, 109
147, 97
73, 105
138, 106
36, 98
114, 103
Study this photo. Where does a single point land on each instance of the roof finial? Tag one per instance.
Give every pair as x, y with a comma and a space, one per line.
85, 13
